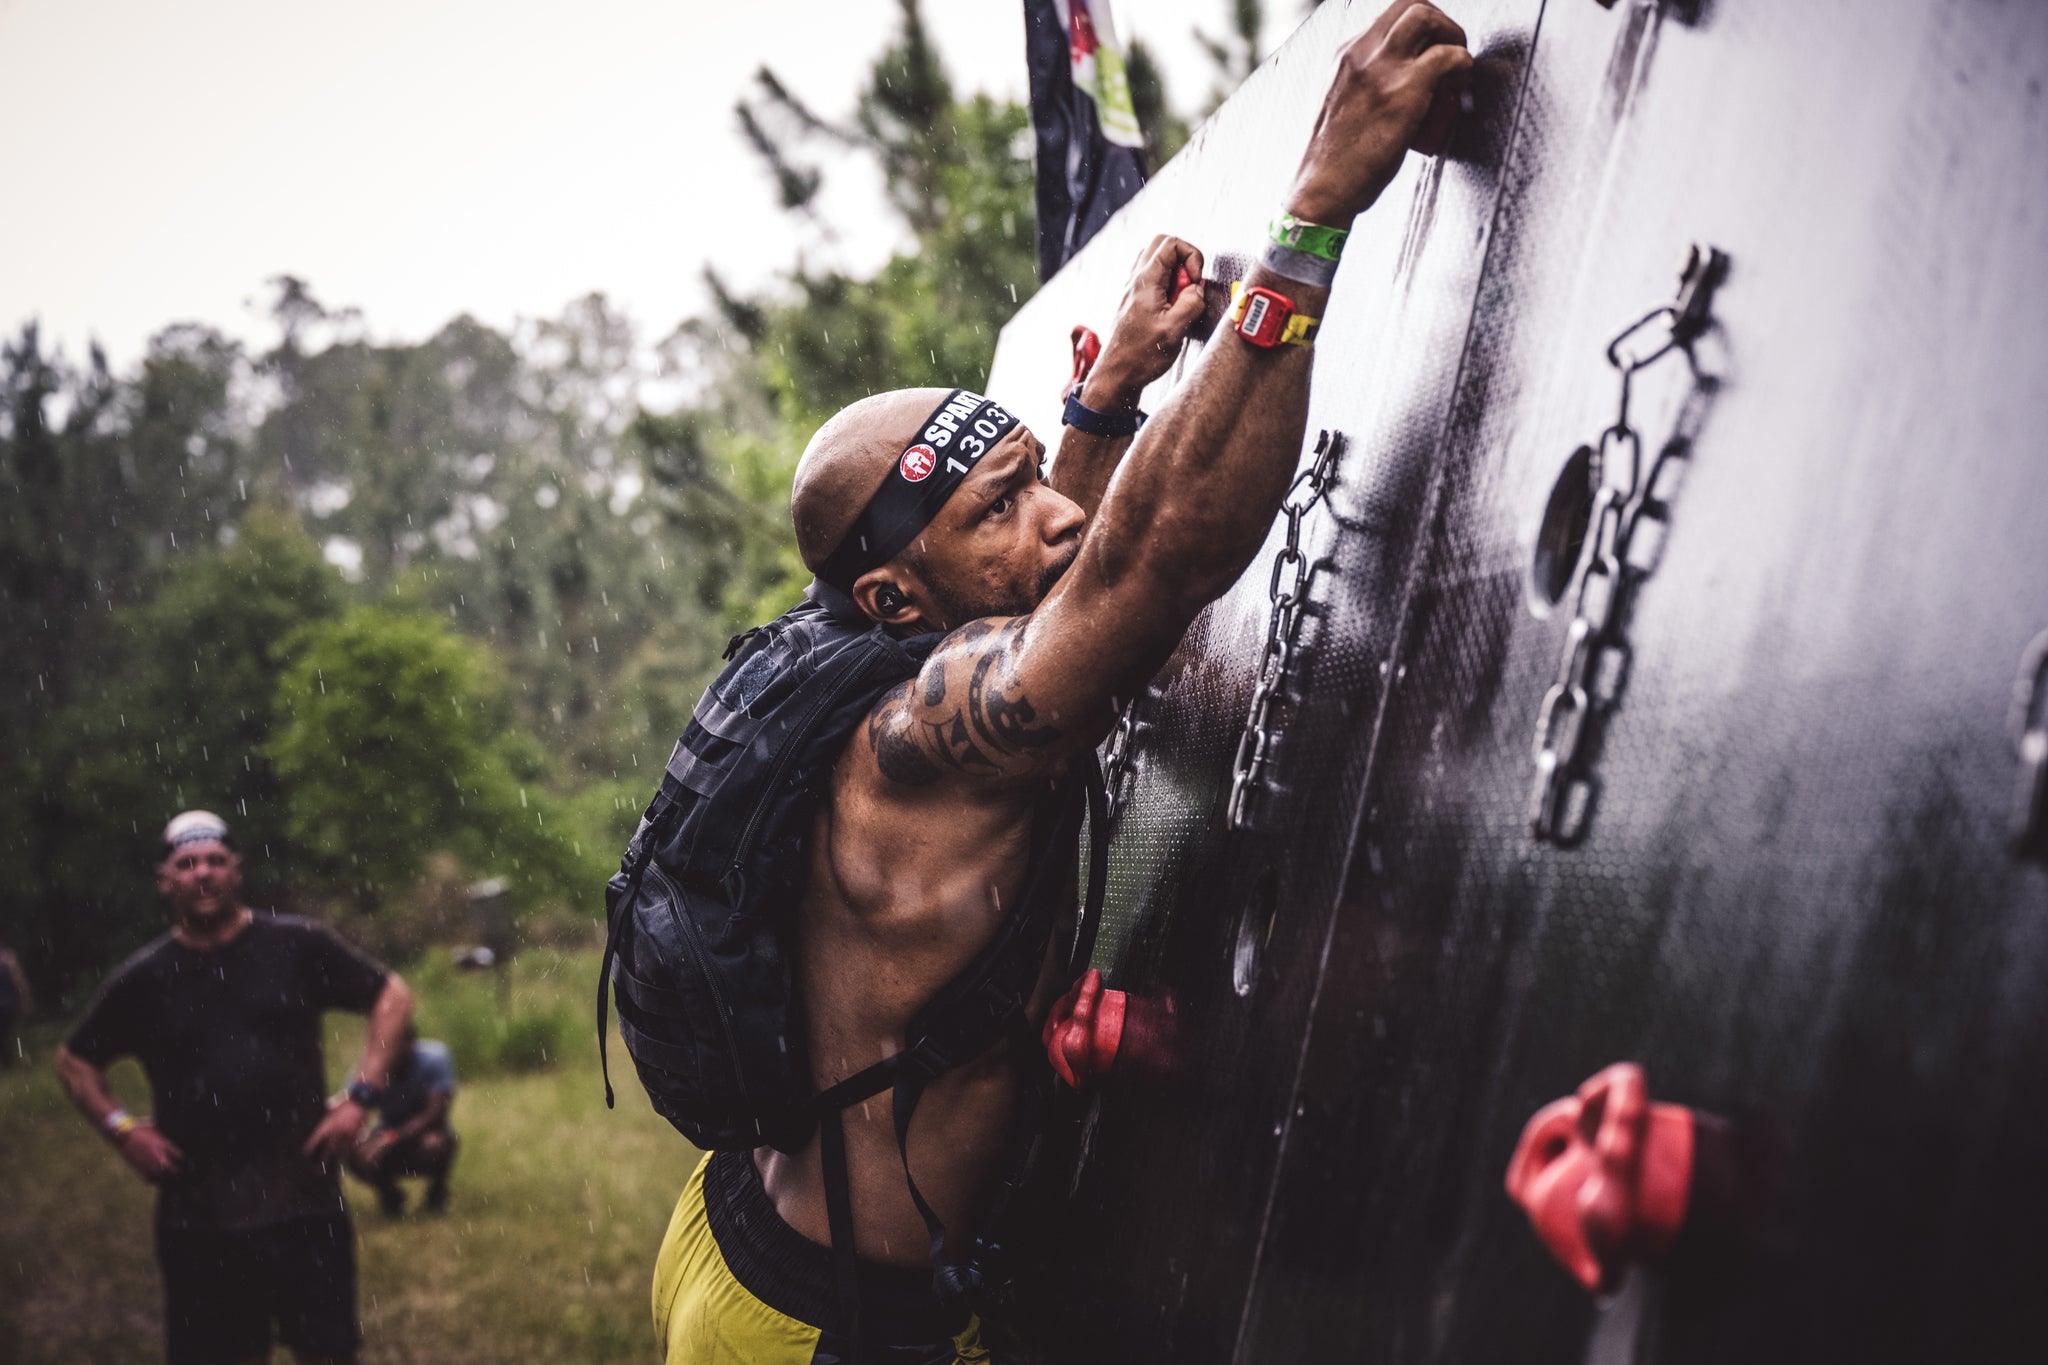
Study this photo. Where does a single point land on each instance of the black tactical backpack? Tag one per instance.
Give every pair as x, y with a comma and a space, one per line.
699, 915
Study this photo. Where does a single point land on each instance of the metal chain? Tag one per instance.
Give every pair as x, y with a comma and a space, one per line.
1562, 729
1116, 758
1283, 629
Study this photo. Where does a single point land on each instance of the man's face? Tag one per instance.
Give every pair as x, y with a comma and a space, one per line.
202, 880
1002, 540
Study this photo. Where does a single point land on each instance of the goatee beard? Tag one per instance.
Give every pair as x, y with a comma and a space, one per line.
223, 910
1053, 575
959, 610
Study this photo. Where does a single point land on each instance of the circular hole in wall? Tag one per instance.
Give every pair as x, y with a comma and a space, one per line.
1254, 931
1561, 537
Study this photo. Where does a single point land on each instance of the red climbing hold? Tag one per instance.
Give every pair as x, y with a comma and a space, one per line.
1085, 1030
1605, 1175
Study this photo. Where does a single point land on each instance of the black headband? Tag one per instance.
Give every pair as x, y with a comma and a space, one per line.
954, 438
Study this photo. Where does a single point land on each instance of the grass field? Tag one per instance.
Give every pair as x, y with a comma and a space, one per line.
544, 1255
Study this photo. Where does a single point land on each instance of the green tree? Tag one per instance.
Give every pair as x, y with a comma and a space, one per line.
394, 739
180, 718
1236, 54
957, 172
549, 553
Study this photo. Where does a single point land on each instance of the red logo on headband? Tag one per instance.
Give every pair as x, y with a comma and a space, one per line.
918, 462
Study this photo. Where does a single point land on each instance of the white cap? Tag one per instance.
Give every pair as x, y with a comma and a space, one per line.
195, 827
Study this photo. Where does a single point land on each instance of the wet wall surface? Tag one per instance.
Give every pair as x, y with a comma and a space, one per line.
1785, 887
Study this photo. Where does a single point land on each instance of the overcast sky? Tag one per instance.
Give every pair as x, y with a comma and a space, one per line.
420, 158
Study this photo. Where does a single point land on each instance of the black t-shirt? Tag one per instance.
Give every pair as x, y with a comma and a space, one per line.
230, 1040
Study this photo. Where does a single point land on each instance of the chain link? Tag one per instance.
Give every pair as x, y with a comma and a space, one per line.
1289, 596
1563, 730
1116, 758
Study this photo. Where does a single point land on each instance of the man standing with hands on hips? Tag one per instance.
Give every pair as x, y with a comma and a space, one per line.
223, 1012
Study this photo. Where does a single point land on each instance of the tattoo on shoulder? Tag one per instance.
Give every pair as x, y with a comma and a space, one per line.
892, 736
952, 742
1001, 714
923, 727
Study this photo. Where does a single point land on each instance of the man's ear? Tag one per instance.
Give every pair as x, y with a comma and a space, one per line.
886, 598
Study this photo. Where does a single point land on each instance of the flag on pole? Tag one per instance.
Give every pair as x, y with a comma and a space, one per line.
1091, 153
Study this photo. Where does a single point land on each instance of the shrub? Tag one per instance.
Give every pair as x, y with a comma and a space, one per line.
489, 1026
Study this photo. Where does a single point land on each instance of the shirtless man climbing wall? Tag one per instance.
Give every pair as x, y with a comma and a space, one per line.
1055, 599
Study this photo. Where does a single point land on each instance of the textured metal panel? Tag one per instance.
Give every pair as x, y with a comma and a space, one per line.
1164, 1275
1792, 902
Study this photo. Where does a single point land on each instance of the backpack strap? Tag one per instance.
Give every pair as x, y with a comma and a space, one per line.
839, 1217
615, 921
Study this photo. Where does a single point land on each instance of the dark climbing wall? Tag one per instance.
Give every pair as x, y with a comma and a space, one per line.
1790, 895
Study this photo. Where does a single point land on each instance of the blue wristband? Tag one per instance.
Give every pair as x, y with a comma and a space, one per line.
1083, 418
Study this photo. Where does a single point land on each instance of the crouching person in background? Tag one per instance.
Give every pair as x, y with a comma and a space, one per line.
412, 1136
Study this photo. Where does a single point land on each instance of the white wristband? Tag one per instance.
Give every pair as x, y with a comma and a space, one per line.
118, 1122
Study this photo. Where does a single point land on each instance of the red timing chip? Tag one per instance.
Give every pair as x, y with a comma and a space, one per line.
918, 462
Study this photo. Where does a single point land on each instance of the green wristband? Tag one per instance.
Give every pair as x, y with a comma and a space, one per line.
1298, 234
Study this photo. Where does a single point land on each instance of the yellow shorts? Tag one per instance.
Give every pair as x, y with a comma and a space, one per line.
735, 1285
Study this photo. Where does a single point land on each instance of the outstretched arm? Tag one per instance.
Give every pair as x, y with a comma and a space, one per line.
1006, 701
1151, 322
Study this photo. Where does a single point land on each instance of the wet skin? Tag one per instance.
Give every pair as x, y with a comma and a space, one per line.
1058, 607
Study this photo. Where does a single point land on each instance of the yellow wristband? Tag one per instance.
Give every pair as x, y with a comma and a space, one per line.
120, 1123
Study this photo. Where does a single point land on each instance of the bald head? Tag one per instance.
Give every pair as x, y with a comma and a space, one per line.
846, 462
